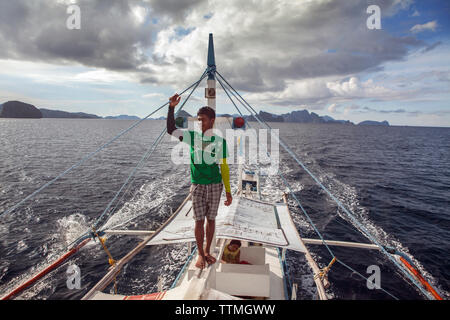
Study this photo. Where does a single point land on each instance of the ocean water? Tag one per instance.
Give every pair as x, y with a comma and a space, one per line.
395, 180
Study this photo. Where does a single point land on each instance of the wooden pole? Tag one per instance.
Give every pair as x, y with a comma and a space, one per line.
48, 269
312, 263
342, 244
129, 232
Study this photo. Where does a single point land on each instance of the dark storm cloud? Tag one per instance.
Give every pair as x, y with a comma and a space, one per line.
332, 39
273, 46
109, 35
176, 9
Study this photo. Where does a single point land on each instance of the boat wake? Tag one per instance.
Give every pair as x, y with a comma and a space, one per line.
348, 196
152, 198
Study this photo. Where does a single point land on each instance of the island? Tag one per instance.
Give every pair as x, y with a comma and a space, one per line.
46, 113
299, 116
17, 109
374, 123
122, 117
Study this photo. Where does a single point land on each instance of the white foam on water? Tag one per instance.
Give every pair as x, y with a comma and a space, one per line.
4, 267
72, 227
148, 197
68, 229
21, 246
348, 196
47, 284
37, 287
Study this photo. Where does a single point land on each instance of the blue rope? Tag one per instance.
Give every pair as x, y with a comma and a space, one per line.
134, 178
144, 157
183, 268
359, 274
361, 227
284, 180
148, 153
90, 155
285, 264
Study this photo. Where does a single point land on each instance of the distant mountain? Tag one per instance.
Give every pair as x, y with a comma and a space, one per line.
123, 117
266, 116
374, 123
46, 113
303, 116
299, 116
183, 113
226, 115
329, 119
17, 109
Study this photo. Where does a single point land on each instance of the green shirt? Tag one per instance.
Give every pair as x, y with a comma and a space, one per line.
206, 154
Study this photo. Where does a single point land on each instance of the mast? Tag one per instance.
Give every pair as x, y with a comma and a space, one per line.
210, 92
210, 95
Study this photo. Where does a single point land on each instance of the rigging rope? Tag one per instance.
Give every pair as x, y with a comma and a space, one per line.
90, 155
109, 213
111, 260
133, 172
284, 180
288, 186
145, 156
88, 234
77, 242
292, 154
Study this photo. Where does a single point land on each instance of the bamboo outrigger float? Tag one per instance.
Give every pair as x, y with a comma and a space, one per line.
265, 229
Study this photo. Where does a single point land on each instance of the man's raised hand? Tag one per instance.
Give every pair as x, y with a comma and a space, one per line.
174, 100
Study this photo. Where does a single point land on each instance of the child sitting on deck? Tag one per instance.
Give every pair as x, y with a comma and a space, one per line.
232, 253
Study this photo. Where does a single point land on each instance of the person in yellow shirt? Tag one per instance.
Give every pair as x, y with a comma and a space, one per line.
232, 252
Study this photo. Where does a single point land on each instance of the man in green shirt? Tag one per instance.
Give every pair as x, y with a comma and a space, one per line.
206, 151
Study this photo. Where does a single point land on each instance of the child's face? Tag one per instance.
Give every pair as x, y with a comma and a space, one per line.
233, 247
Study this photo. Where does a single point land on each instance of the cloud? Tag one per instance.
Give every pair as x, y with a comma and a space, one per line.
355, 108
269, 47
432, 46
164, 41
332, 108
320, 92
354, 88
368, 109
174, 9
432, 25
315, 54
154, 95
360, 109
350, 108
112, 36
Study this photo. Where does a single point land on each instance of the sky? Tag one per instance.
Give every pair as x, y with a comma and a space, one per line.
130, 56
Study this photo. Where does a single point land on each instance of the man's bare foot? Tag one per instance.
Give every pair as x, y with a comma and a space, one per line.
200, 262
210, 259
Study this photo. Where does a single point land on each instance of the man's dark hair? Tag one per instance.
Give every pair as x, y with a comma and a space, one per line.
237, 242
208, 111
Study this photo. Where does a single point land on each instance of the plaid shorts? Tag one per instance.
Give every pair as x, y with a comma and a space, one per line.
206, 200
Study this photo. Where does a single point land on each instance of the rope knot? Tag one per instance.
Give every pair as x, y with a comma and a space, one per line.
323, 273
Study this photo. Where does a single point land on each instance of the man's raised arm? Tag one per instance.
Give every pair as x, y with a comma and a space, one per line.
171, 128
